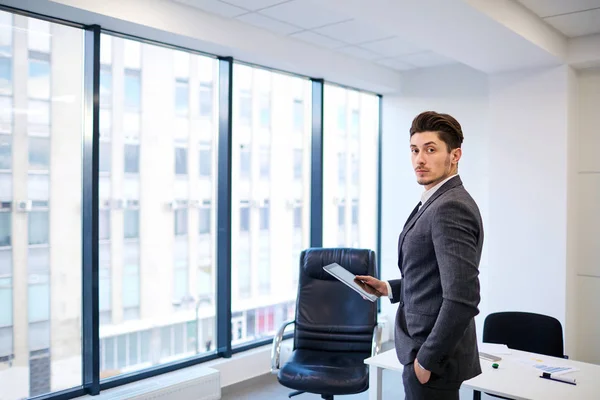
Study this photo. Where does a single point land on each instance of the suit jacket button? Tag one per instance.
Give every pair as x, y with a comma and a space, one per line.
401, 304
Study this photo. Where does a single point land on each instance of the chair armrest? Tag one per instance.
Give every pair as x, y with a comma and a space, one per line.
276, 348
376, 342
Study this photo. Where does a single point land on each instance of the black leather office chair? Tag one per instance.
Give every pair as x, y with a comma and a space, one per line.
525, 331
335, 328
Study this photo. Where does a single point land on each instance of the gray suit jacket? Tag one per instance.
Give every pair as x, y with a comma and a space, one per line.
438, 255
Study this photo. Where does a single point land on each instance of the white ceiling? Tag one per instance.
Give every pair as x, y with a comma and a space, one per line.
310, 21
571, 17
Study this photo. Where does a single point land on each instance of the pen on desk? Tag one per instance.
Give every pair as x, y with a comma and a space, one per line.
564, 379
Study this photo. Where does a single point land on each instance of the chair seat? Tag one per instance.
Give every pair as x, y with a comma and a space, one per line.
325, 372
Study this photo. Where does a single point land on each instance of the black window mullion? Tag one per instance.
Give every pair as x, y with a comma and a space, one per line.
90, 181
379, 188
224, 187
316, 192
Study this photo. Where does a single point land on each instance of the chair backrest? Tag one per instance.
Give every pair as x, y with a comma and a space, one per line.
329, 315
530, 332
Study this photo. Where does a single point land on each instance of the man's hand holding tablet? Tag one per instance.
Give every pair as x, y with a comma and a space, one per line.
349, 279
371, 285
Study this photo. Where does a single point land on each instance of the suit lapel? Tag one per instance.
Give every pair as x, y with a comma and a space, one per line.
452, 183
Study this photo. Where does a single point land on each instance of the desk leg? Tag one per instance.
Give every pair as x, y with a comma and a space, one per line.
375, 375
476, 395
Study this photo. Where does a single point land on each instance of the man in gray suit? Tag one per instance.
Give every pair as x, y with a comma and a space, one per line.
438, 255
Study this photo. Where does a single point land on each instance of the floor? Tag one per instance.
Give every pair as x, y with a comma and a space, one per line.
267, 387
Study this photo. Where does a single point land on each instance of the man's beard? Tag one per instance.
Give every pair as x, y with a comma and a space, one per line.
429, 181
425, 182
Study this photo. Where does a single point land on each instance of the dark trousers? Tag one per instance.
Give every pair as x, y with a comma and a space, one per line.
435, 389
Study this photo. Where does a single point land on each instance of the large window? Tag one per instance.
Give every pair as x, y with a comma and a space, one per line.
160, 227
156, 219
41, 82
350, 170
271, 171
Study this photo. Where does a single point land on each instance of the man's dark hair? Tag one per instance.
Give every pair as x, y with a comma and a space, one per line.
445, 125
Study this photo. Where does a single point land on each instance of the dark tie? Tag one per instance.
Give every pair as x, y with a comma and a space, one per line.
412, 214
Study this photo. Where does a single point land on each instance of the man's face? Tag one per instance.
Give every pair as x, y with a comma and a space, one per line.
431, 160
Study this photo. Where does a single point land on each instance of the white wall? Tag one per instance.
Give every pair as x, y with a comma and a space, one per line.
461, 92
528, 191
587, 243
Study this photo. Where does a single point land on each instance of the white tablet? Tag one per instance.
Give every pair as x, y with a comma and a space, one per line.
347, 277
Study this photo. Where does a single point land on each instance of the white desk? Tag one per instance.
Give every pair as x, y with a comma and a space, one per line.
512, 379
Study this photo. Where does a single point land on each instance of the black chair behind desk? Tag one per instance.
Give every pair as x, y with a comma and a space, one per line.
534, 333
335, 328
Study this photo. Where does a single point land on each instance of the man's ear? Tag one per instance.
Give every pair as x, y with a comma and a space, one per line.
456, 155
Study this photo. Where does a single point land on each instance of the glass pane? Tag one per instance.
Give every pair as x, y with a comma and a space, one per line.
105, 289
298, 115
39, 309
131, 224
39, 153
205, 158
6, 342
131, 286
5, 229
149, 171
6, 305
265, 111
5, 152
38, 227
38, 186
181, 222
269, 173
133, 349
132, 158
122, 351
6, 32
245, 108
38, 118
40, 62
350, 181
39, 79
297, 217
180, 287
6, 77
132, 90
204, 221
104, 225
105, 123
105, 157
105, 87
245, 163
6, 114
206, 99
298, 163
264, 218
265, 162
182, 97
180, 161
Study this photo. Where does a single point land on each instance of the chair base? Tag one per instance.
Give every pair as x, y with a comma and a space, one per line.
297, 392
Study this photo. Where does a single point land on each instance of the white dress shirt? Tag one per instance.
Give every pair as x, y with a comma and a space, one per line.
424, 198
